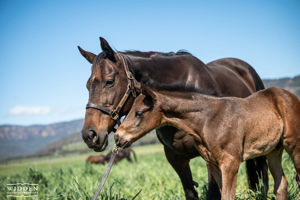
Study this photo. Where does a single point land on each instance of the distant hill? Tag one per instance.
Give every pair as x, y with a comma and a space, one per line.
74, 144
290, 84
65, 137
19, 140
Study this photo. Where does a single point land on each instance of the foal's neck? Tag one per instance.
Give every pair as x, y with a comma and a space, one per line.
190, 115
185, 103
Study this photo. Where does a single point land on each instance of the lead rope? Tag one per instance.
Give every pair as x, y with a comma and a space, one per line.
109, 166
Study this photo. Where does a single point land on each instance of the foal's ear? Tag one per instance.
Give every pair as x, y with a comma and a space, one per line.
110, 54
150, 96
88, 55
148, 92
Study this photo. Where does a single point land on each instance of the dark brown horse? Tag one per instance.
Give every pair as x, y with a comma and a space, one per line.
124, 153
101, 159
226, 131
112, 89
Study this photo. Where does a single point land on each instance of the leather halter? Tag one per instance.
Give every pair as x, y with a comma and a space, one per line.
115, 113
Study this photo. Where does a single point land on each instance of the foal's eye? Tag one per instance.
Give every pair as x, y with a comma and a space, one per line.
139, 114
109, 83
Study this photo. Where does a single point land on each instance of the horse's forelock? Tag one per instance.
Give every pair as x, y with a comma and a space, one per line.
101, 56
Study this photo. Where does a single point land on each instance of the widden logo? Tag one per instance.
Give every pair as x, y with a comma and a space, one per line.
22, 190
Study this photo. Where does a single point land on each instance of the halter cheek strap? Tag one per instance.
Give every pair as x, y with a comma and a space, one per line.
131, 89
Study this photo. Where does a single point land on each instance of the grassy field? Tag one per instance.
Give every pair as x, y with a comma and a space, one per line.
151, 177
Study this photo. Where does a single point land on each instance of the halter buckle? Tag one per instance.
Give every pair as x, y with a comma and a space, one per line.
116, 148
129, 75
114, 115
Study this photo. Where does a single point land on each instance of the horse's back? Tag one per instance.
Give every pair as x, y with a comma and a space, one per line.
235, 77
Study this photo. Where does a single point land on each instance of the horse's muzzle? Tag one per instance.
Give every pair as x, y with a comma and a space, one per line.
94, 140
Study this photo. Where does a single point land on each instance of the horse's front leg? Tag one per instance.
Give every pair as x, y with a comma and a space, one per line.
181, 165
213, 188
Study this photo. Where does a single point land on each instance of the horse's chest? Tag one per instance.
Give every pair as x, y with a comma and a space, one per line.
177, 141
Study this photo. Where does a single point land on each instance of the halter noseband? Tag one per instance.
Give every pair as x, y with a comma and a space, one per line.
115, 113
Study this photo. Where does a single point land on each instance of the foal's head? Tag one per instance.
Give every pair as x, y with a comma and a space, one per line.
155, 107
144, 116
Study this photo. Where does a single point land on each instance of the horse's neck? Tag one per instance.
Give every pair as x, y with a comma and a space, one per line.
158, 66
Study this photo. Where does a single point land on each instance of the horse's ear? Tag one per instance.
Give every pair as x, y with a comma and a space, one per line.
88, 55
110, 54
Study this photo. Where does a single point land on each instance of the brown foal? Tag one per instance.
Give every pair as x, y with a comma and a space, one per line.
226, 130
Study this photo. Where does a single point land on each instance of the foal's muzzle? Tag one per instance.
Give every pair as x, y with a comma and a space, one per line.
121, 141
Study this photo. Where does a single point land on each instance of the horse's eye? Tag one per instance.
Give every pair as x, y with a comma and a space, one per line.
139, 114
109, 83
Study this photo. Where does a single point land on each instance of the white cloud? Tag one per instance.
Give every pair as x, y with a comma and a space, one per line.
30, 110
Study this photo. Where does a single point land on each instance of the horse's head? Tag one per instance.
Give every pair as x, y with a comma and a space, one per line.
110, 81
145, 115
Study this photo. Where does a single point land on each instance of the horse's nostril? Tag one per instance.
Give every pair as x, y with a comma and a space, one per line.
96, 139
92, 134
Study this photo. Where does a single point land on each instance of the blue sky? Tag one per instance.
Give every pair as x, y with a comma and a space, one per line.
43, 75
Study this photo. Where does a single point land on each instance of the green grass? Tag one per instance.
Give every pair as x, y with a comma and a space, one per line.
151, 177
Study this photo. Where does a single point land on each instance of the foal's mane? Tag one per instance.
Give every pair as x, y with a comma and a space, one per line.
179, 87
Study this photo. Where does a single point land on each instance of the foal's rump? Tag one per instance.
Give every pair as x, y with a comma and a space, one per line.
288, 106
276, 119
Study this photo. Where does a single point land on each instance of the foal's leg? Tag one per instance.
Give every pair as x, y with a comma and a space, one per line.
293, 149
229, 169
182, 167
280, 182
296, 159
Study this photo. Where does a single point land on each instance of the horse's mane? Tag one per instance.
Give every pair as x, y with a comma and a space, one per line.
149, 54
179, 87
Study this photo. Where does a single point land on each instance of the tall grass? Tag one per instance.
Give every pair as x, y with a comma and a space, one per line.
151, 177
